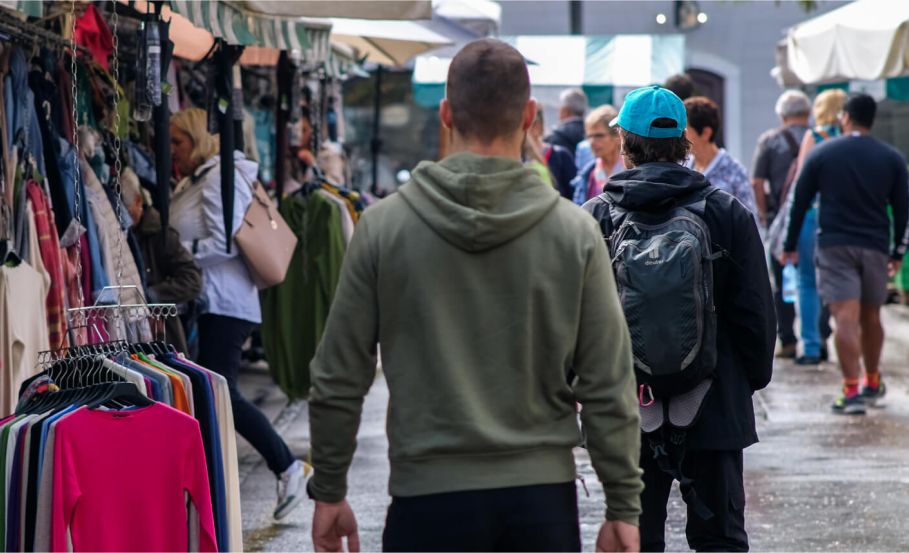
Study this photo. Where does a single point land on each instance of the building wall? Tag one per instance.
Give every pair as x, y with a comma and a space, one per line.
737, 41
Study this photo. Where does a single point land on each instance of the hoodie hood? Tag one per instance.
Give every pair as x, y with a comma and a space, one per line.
653, 186
478, 202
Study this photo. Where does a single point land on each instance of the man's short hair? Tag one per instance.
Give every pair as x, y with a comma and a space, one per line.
574, 100
681, 84
703, 113
793, 103
861, 109
640, 150
488, 89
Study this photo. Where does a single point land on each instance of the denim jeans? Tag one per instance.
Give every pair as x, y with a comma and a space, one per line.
814, 317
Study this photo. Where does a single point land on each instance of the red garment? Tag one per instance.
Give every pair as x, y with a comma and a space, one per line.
86, 263
74, 257
93, 33
51, 255
120, 478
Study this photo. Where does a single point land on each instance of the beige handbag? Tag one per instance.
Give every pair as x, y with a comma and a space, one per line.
265, 241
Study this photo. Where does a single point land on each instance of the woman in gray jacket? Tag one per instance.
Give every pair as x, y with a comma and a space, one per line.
229, 293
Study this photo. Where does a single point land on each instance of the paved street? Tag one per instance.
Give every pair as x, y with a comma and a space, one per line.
816, 482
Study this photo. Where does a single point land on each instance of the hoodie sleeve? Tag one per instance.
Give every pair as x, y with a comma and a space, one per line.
605, 387
343, 369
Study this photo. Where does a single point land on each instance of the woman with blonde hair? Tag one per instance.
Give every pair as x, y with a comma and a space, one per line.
815, 317
231, 299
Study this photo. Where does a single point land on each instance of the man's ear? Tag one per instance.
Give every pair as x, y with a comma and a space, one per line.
445, 114
707, 133
530, 114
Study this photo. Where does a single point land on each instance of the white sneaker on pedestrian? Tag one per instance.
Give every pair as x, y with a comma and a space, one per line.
291, 488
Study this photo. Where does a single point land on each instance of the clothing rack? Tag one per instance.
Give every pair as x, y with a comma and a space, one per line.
24, 31
89, 317
48, 358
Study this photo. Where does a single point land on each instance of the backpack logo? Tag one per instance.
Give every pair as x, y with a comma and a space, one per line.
654, 255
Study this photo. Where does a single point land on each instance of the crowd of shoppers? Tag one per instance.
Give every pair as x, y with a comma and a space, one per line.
668, 203
483, 416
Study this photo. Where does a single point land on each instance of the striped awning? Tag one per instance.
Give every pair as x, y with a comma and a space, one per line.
598, 64
236, 25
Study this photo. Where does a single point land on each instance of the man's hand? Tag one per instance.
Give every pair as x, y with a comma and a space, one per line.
616, 535
330, 523
789, 257
893, 267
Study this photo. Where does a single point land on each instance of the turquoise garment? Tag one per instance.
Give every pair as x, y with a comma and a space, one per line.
294, 312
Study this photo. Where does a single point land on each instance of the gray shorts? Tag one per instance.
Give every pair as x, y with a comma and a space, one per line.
852, 273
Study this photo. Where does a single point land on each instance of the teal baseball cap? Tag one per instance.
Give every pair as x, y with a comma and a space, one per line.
645, 105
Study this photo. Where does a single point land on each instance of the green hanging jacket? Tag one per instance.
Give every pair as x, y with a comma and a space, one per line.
294, 312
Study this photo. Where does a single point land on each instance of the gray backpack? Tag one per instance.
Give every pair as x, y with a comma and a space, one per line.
663, 264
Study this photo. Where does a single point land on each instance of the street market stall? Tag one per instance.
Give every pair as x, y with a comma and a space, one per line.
88, 93
605, 67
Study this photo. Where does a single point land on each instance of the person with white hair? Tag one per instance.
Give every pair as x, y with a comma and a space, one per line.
171, 274
570, 132
777, 150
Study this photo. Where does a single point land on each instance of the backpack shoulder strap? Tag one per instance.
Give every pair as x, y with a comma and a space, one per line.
608, 215
790, 140
698, 205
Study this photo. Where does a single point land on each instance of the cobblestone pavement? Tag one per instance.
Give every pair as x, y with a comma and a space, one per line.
816, 482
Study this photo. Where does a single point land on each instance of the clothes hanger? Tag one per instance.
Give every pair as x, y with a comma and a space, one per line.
122, 393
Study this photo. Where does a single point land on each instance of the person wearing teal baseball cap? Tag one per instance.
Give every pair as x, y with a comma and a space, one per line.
646, 214
652, 112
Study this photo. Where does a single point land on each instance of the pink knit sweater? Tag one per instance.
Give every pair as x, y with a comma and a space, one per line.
120, 479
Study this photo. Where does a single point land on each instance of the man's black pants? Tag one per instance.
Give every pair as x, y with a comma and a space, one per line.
719, 483
525, 518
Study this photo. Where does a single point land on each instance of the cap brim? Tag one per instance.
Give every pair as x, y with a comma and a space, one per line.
614, 123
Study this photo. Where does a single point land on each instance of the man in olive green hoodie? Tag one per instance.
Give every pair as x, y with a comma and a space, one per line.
486, 290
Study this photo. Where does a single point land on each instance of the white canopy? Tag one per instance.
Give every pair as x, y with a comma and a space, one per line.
386, 42
864, 40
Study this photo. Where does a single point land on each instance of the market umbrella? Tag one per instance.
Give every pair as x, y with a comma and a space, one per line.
390, 43
384, 43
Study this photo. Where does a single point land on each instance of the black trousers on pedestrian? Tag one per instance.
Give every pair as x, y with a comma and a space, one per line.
719, 483
220, 347
785, 312
525, 518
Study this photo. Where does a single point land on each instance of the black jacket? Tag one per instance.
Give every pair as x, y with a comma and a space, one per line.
746, 322
568, 135
561, 165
